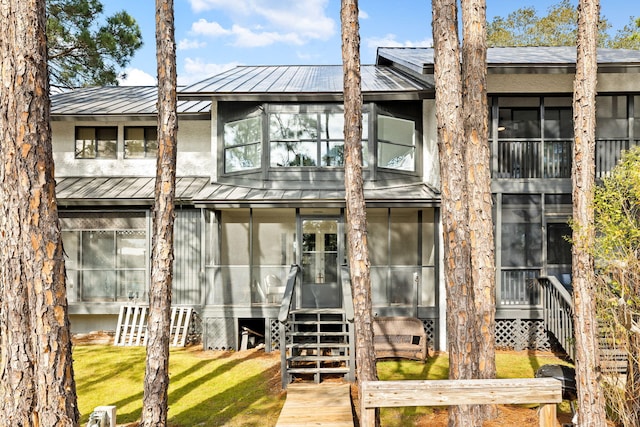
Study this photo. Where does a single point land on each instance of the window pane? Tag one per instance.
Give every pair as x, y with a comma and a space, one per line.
396, 156
611, 117
332, 126
294, 153
285, 126
133, 142
107, 139
242, 132
85, 143
398, 131
396, 143
242, 157
99, 285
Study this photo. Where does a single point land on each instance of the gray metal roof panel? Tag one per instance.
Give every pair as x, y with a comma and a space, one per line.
417, 58
117, 100
323, 79
231, 194
122, 189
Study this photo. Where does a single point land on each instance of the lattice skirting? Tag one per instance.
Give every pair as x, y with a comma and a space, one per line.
516, 334
219, 333
522, 334
273, 342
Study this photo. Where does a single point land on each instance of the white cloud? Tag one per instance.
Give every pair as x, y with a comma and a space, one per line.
196, 69
137, 77
187, 44
257, 23
362, 14
206, 28
389, 40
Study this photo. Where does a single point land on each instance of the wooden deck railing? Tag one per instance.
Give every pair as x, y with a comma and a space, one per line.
558, 312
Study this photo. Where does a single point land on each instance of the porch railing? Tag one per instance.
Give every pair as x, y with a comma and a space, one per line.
287, 297
553, 159
518, 287
558, 312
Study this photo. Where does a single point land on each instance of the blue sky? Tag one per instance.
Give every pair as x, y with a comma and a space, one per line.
214, 35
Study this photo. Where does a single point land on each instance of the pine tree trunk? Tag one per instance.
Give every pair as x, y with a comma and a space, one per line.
354, 192
478, 160
156, 383
36, 373
461, 334
591, 405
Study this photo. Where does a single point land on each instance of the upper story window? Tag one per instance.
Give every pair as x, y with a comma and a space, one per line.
396, 143
96, 142
242, 144
612, 117
309, 139
140, 142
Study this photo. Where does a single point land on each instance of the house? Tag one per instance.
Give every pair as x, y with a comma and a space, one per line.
260, 189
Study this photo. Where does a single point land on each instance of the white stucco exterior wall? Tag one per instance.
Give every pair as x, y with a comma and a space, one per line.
194, 148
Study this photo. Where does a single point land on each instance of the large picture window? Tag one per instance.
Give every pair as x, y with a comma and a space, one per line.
106, 256
96, 142
310, 139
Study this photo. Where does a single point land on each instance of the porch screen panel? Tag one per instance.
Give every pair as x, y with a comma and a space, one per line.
636, 118
378, 244
98, 256
521, 248
428, 276
186, 265
273, 241
106, 255
232, 284
404, 256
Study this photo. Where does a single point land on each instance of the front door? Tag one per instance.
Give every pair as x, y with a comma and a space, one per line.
321, 249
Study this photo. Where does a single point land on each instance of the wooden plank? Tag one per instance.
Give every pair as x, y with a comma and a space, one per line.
378, 394
116, 340
185, 330
326, 405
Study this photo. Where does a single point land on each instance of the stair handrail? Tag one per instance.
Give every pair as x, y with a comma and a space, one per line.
347, 296
557, 308
287, 297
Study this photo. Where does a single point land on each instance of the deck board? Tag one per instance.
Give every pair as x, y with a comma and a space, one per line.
325, 404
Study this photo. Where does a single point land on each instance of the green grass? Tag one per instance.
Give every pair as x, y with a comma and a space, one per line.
206, 389
236, 389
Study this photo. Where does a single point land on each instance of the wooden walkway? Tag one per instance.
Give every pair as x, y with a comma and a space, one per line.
324, 404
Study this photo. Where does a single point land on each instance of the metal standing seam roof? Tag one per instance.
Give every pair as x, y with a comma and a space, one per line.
300, 80
121, 190
117, 100
231, 195
420, 59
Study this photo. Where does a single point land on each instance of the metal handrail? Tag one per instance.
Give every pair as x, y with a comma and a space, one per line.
557, 308
287, 297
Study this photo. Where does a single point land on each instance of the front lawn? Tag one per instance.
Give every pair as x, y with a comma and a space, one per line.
238, 388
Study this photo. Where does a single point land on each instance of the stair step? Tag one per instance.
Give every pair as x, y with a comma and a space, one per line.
341, 370
319, 334
318, 358
317, 322
323, 345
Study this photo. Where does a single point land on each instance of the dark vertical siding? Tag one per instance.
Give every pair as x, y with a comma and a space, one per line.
187, 250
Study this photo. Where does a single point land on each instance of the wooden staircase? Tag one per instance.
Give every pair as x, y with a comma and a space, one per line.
319, 343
